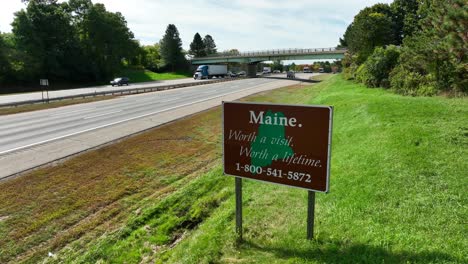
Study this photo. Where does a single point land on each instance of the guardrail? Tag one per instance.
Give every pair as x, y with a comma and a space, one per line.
117, 92
273, 52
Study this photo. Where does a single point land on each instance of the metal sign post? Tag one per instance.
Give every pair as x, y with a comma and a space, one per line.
310, 215
239, 209
45, 83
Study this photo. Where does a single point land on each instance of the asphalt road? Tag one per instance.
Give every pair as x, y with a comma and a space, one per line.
28, 129
12, 98
30, 139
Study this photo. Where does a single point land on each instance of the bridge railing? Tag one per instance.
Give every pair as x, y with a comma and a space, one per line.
274, 52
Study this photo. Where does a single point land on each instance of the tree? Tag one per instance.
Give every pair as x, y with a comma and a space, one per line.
72, 41
151, 57
368, 32
197, 47
104, 37
435, 59
231, 52
405, 18
210, 46
277, 65
171, 48
4, 62
293, 66
44, 32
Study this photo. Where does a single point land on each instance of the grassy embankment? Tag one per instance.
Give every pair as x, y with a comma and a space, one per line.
137, 75
398, 187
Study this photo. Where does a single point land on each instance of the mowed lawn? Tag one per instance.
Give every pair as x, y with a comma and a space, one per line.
137, 76
398, 188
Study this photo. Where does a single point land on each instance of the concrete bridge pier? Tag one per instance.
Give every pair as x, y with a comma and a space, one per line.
252, 70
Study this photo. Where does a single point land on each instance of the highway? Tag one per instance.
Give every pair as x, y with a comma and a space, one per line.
21, 97
24, 135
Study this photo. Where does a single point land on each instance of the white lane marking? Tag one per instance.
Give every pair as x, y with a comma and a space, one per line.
170, 100
121, 121
108, 113
71, 112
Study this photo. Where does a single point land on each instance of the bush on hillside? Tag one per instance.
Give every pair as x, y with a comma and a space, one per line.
413, 83
376, 69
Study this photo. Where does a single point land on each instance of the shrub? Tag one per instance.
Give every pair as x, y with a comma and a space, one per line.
361, 74
376, 70
412, 83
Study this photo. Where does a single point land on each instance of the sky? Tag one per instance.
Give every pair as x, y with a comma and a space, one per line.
246, 25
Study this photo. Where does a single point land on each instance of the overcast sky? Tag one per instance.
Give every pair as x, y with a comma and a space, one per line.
242, 24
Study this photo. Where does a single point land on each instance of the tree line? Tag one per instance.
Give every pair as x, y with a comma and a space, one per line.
415, 47
78, 41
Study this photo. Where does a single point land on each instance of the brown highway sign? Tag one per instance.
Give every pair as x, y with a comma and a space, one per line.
284, 144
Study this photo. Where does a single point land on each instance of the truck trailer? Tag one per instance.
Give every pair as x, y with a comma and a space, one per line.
266, 70
210, 71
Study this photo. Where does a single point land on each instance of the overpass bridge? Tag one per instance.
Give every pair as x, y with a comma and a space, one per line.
253, 57
270, 55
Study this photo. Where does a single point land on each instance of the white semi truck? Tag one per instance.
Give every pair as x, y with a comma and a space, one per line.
210, 71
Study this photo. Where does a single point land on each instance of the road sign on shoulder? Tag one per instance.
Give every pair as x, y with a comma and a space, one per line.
284, 144
44, 82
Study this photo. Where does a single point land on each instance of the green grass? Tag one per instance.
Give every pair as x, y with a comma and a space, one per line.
397, 192
137, 75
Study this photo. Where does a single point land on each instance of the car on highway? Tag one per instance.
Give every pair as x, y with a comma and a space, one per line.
276, 71
291, 74
241, 73
232, 74
120, 81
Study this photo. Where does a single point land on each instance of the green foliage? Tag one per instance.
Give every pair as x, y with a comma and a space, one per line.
197, 47
349, 66
4, 61
71, 41
433, 56
44, 32
151, 58
372, 27
376, 70
171, 48
106, 40
446, 26
362, 74
434, 60
368, 32
277, 65
412, 83
210, 46
405, 17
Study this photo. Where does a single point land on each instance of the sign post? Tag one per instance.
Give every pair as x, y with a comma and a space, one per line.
284, 144
45, 83
310, 215
239, 208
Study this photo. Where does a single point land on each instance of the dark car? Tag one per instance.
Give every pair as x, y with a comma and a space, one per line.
291, 74
120, 81
232, 74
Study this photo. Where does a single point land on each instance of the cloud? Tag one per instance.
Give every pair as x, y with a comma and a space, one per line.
242, 24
